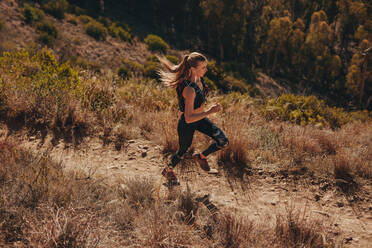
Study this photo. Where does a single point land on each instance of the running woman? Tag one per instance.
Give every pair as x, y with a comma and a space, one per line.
187, 78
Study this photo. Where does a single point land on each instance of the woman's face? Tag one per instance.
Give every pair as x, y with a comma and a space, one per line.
200, 69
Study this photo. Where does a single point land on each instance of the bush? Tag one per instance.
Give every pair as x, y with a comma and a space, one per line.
39, 91
48, 32
85, 19
151, 68
305, 110
72, 19
86, 65
96, 30
76, 10
240, 70
117, 31
56, 8
124, 72
134, 67
211, 85
31, 15
105, 21
48, 28
156, 43
1, 24
173, 59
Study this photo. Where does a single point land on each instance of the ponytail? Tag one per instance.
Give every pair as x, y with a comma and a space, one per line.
172, 74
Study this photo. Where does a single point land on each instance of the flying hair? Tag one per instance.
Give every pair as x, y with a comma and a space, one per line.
172, 74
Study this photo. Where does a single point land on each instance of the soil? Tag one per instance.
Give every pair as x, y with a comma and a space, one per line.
261, 196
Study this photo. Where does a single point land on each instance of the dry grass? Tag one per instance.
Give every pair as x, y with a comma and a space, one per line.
295, 230
234, 158
169, 136
235, 232
59, 209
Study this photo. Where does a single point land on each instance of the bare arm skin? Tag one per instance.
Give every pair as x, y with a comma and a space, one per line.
191, 114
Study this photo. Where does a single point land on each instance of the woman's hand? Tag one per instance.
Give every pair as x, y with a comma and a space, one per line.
215, 108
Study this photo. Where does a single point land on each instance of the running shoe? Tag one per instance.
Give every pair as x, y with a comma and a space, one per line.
203, 162
170, 175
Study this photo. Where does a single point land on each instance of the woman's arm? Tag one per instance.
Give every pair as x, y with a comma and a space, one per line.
190, 115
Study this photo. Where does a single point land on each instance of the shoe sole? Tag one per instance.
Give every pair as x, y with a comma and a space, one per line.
204, 169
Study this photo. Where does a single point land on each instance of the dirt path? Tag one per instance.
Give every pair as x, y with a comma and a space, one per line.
268, 193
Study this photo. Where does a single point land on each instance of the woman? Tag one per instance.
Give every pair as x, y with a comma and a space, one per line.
187, 78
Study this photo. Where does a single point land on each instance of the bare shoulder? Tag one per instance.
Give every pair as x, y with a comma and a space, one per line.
188, 92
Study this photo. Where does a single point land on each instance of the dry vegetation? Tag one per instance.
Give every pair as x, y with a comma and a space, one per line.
43, 205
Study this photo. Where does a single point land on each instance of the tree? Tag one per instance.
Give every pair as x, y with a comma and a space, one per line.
278, 38
359, 76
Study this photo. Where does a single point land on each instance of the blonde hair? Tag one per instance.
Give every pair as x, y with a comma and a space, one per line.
172, 74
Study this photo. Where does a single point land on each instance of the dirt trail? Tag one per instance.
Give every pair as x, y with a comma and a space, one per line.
267, 194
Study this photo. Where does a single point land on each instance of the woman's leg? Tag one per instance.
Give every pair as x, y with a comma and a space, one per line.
185, 136
207, 127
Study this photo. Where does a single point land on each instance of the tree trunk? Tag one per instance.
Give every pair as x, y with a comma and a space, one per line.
363, 79
220, 47
275, 60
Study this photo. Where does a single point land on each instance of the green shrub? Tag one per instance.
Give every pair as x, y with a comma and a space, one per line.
46, 39
47, 27
305, 110
151, 68
117, 31
96, 30
48, 32
240, 70
86, 65
134, 67
38, 89
97, 98
156, 43
211, 85
124, 72
123, 26
31, 15
173, 59
76, 10
85, 19
105, 21
234, 84
72, 19
56, 8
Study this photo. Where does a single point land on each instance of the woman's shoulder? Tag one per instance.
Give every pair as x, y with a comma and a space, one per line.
185, 83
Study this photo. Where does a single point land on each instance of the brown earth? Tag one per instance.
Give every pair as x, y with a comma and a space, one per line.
266, 193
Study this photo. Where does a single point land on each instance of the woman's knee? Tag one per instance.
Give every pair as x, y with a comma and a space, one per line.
222, 141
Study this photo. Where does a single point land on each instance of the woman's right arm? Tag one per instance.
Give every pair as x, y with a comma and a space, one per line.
190, 115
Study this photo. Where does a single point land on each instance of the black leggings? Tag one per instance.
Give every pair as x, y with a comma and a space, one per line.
186, 134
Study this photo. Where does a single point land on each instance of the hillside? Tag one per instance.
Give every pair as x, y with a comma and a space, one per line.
82, 149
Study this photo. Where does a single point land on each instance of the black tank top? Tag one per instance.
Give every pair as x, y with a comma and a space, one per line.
200, 94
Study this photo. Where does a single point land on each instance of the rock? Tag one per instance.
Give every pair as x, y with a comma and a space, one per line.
340, 204
123, 187
348, 240
113, 168
144, 154
113, 201
317, 197
145, 147
131, 141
